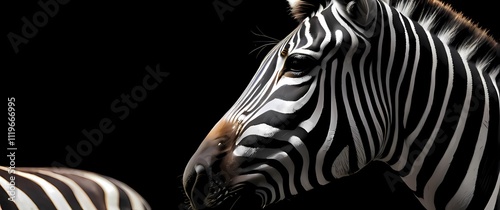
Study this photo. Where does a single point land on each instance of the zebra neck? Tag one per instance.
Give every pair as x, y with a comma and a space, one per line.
441, 116
415, 79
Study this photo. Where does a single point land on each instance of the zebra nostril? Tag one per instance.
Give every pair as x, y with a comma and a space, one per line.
197, 187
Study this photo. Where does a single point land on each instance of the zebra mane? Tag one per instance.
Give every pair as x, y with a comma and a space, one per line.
457, 31
471, 41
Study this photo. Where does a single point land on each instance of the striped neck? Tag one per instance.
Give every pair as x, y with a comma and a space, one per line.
440, 107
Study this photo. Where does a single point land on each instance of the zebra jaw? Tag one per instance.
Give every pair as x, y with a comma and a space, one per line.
213, 191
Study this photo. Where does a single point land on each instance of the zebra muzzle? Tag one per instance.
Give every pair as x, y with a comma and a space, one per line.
208, 173
197, 187
204, 182
206, 188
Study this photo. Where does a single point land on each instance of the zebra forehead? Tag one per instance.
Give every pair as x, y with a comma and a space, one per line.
317, 36
312, 37
300, 9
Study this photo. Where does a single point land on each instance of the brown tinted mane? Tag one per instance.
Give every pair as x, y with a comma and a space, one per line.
453, 28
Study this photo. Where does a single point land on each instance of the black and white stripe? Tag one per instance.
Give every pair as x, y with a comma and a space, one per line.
399, 87
58, 188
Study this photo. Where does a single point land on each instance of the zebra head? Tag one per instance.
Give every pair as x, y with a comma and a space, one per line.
275, 140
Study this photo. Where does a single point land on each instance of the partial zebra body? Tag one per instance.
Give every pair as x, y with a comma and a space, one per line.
410, 83
64, 188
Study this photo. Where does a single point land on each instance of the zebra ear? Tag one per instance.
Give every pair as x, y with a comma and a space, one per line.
300, 9
362, 11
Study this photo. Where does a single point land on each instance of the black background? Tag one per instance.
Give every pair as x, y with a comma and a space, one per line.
90, 53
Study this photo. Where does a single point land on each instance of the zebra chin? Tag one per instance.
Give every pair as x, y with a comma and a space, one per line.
207, 190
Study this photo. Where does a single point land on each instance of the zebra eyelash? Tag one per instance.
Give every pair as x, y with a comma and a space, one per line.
298, 64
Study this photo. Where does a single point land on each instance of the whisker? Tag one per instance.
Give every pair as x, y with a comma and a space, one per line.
265, 41
268, 41
261, 48
261, 34
236, 201
265, 36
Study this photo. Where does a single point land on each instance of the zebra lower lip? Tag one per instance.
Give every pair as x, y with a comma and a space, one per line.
209, 190
220, 196
234, 198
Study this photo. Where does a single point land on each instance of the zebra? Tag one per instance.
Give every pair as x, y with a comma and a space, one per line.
409, 83
64, 188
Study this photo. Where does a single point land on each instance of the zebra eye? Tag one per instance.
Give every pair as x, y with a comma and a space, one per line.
298, 64
350, 8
